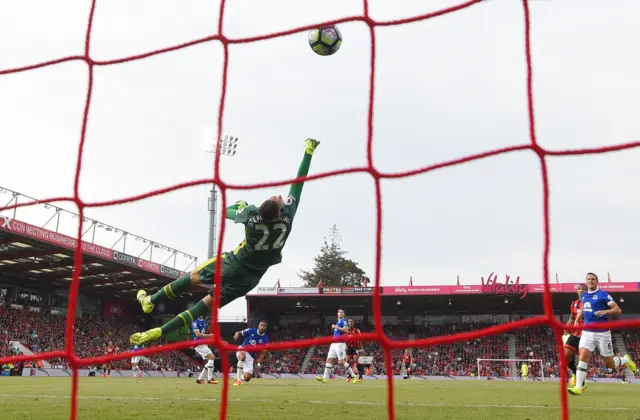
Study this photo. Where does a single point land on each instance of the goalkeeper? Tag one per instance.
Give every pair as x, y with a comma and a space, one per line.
266, 231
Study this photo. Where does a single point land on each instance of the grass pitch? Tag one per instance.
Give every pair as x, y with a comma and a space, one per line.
268, 399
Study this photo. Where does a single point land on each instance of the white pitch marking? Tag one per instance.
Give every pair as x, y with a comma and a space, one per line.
370, 403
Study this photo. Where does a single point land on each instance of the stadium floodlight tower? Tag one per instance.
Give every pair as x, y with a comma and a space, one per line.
224, 146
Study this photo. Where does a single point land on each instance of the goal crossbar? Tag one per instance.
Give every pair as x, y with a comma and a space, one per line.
479, 361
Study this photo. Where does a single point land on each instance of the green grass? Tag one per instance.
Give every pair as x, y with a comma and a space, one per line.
267, 399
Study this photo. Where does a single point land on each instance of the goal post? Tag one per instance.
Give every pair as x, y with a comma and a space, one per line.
510, 369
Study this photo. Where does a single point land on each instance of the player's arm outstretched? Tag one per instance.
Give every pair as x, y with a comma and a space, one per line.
303, 170
233, 209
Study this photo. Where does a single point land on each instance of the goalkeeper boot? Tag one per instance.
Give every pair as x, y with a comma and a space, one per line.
213, 381
238, 383
631, 365
145, 337
573, 380
310, 146
575, 390
200, 381
321, 379
145, 301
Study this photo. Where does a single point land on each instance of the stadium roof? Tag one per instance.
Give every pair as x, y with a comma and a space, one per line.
34, 256
472, 299
493, 285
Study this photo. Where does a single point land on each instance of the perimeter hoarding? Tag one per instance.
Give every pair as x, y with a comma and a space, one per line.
54, 238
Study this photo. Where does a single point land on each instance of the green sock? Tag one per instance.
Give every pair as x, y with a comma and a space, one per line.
172, 290
185, 318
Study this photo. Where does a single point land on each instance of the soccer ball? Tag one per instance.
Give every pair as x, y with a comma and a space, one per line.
326, 40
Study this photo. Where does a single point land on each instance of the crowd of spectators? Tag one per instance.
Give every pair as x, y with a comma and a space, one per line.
632, 343
460, 358
457, 359
288, 361
43, 332
539, 343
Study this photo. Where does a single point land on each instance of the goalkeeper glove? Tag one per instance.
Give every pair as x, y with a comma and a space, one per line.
310, 146
241, 204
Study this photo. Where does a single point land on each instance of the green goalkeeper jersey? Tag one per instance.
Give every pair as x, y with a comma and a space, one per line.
263, 243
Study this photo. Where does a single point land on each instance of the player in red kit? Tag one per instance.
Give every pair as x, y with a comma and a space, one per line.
354, 347
109, 351
573, 341
408, 360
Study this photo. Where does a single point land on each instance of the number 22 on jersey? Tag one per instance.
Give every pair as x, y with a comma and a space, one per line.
263, 244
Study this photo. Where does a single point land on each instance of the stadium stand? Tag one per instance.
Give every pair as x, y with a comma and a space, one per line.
43, 331
36, 264
309, 314
40, 328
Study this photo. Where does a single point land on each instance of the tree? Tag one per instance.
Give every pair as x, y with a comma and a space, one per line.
332, 267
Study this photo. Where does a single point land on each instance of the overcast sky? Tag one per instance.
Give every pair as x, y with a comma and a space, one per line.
446, 88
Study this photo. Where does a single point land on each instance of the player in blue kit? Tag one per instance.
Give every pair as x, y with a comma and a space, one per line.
246, 357
337, 350
198, 328
597, 306
137, 373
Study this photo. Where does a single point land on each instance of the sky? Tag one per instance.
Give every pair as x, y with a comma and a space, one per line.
445, 88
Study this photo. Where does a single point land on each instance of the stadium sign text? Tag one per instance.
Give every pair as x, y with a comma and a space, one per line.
170, 271
357, 290
298, 290
148, 265
125, 258
492, 286
268, 290
68, 242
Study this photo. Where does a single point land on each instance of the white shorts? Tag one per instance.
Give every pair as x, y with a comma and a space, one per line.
600, 339
248, 363
337, 351
135, 359
203, 350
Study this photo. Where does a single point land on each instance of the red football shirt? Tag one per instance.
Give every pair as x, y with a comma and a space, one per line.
576, 306
354, 340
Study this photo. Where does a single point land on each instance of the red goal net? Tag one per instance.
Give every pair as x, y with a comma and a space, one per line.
532, 145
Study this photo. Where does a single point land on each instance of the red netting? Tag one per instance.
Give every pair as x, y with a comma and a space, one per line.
378, 335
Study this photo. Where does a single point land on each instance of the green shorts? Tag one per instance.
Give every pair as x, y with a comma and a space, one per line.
237, 280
